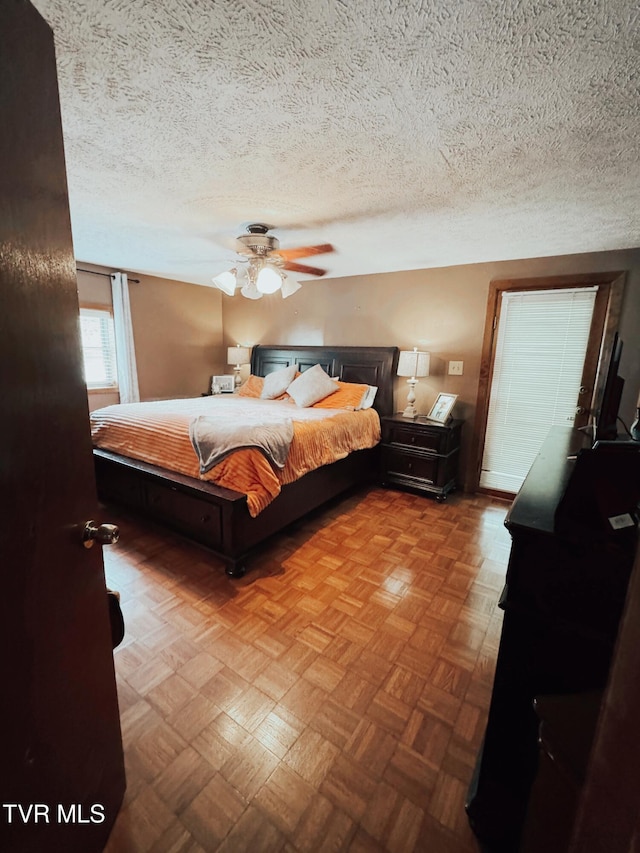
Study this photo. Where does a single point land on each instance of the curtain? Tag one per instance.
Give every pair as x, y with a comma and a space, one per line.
123, 329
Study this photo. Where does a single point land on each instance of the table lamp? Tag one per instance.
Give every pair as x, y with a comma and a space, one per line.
238, 356
412, 363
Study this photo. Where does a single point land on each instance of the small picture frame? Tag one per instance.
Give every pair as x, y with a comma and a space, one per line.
222, 384
441, 409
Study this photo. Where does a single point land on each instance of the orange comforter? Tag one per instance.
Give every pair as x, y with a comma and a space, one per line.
158, 433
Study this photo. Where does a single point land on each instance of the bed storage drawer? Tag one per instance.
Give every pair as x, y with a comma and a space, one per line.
118, 485
185, 513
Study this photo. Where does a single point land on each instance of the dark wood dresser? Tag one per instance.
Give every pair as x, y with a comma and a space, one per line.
420, 454
565, 590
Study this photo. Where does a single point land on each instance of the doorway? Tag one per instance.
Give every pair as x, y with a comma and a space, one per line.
544, 339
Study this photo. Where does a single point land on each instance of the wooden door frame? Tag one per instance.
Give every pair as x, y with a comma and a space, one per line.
606, 316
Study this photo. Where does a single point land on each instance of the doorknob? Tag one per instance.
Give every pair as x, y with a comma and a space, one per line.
105, 534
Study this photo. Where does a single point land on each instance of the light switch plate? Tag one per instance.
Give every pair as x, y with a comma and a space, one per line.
455, 368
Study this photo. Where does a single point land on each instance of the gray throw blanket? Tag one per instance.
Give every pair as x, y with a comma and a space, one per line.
213, 439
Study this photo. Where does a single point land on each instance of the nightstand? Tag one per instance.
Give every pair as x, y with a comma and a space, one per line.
419, 454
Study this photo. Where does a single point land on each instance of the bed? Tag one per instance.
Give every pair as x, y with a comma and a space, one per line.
219, 517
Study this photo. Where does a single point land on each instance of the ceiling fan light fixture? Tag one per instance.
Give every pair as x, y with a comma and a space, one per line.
261, 270
268, 280
226, 281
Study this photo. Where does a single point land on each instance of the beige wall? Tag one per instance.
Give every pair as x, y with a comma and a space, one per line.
177, 330
439, 310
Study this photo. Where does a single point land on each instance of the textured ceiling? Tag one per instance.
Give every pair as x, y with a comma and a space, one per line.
409, 134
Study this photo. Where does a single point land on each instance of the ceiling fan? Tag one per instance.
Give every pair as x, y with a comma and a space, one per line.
267, 265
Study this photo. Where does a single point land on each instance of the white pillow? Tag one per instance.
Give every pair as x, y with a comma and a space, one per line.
276, 383
311, 386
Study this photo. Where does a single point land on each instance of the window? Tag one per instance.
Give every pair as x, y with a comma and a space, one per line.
98, 348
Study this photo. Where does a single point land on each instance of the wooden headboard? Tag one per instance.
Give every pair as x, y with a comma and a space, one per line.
370, 365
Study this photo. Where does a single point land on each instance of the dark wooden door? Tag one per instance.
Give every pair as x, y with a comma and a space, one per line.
61, 764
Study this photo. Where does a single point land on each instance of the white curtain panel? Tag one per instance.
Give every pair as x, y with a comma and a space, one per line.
123, 330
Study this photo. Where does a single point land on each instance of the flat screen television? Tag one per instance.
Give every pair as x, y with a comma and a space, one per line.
607, 412
603, 491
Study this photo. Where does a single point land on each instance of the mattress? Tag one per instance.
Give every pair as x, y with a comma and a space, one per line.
158, 433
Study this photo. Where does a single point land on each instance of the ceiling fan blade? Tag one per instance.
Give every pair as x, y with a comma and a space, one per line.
303, 268
305, 251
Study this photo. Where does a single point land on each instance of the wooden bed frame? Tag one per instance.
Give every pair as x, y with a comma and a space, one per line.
218, 518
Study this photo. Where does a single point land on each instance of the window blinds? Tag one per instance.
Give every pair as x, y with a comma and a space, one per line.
98, 348
540, 352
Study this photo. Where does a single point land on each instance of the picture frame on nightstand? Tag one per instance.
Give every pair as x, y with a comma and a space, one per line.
441, 409
222, 384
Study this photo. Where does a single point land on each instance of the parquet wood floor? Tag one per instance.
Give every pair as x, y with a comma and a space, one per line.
333, 699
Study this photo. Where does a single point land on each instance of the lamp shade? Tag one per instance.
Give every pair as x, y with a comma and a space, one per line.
226, 281
238, 355
413, 363
250, 291
289, 285
268, 280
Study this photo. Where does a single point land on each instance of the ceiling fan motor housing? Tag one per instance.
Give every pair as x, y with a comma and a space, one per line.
262, 249
257, 241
